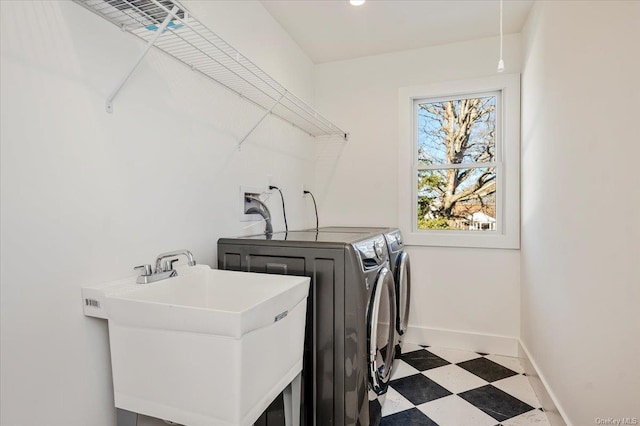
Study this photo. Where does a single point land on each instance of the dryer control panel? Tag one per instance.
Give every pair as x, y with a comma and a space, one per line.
394, 241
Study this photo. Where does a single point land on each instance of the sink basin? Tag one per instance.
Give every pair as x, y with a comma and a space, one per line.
207, 347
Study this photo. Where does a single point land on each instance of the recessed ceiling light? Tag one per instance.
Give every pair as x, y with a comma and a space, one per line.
357, 2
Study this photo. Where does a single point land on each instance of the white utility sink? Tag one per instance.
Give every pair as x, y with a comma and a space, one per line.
207, 347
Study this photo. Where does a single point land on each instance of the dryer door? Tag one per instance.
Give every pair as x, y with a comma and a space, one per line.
403, 291
381, 327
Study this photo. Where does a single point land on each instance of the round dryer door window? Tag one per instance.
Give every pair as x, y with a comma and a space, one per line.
381, 331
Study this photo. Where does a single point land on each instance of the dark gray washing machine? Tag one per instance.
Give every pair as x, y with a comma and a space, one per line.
400, 267
350, 332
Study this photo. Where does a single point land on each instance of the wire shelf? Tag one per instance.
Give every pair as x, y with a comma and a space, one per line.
191, 42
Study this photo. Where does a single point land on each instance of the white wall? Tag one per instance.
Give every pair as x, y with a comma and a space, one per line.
463, 290
581, 204
87, 195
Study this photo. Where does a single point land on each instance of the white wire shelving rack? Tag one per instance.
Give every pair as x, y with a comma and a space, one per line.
168, 25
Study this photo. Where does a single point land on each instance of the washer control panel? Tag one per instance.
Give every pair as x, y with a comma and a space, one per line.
372, 252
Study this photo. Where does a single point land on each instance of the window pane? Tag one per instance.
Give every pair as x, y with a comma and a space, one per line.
458, 199
457, 131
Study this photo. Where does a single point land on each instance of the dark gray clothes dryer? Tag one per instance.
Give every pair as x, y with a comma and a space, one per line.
401, 268
350, 332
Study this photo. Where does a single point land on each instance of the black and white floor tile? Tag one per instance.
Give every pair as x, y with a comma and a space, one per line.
447, 387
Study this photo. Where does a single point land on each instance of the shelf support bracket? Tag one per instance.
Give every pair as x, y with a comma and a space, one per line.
150, 43
261, 119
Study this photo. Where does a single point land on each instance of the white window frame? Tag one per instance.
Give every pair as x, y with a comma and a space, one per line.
507, 162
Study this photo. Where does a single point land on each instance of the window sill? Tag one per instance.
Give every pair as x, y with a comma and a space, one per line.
463, 239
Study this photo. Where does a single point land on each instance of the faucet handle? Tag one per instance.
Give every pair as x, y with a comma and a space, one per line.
167, 265
146, 270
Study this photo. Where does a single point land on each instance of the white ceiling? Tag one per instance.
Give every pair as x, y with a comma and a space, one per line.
330, 30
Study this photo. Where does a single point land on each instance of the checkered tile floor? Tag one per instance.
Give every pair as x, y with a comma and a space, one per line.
447, 387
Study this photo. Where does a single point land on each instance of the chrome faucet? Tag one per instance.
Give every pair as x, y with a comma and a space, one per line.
167, 265
164, 267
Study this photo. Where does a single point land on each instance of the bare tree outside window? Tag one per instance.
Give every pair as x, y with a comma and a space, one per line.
457, 163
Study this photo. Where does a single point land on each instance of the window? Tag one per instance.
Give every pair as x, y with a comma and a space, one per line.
457, 164
459, 170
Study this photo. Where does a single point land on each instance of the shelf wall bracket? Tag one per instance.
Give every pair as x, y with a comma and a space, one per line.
150, 44
261, 119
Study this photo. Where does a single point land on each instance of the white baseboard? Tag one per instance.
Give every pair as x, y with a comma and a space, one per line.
463, 340
553, 410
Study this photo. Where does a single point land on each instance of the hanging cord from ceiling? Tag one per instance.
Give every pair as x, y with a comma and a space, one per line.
284, 212
315, 206
501, 62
